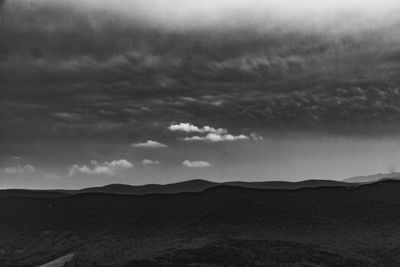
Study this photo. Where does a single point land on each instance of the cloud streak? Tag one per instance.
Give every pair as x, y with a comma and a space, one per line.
211, 137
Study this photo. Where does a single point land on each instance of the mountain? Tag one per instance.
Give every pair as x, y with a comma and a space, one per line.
372, 178
221, 226
180, 187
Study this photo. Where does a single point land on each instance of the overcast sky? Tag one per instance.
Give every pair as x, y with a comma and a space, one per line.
95, 92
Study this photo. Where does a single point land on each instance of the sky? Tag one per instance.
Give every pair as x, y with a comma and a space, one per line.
94, 92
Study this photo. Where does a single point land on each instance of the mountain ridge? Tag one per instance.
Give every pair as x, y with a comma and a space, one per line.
196, 185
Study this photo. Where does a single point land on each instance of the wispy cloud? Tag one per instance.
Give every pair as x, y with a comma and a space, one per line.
107, 168
18, 170
67, 116
196, 164
256, 137
149, 144
147, 162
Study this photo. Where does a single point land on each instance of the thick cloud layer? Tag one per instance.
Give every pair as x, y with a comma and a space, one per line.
182, 14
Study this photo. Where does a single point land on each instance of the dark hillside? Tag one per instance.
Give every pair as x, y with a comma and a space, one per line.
123, 228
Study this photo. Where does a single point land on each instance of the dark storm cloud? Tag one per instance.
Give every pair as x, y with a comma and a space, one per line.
75, 70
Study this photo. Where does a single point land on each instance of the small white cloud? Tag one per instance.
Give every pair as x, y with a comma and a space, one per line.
211, 137
196, 164
148, 162
150, 144
18, 170
190, 128
108, 168
210, 134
